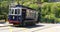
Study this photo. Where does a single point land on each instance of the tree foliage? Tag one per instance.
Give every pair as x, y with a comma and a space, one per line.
49, 12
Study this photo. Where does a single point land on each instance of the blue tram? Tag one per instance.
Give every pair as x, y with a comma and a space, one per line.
22, 15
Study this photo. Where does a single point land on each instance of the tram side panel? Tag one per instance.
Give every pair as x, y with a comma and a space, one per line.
31, 16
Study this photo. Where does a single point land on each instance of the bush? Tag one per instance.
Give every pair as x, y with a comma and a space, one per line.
51, 12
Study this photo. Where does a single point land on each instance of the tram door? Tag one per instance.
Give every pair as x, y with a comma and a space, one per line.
23, 14
17, 12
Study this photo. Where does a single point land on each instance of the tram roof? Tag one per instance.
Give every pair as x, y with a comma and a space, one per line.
24, 7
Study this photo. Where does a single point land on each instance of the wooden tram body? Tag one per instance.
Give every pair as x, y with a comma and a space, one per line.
22, 15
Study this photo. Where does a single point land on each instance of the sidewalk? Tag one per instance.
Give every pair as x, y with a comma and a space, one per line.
2, 24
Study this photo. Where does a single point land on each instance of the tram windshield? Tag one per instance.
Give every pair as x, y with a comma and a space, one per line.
14, 11
17, 11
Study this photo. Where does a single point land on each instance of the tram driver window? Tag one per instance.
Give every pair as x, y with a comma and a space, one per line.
12, 11
17, 11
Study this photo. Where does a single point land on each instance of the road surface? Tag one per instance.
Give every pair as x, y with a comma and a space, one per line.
37, 28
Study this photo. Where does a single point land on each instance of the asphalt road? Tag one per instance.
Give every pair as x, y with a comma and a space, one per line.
36, 28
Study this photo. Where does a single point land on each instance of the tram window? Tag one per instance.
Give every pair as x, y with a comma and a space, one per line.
12, 11
17, 11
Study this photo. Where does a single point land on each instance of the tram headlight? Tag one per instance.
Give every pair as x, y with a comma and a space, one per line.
13, 17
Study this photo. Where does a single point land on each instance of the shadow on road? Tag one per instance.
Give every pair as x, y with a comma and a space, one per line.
34, 26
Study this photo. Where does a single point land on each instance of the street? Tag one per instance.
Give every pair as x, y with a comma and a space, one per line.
37, 28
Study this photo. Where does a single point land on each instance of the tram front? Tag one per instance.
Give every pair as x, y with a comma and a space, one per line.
15, 15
